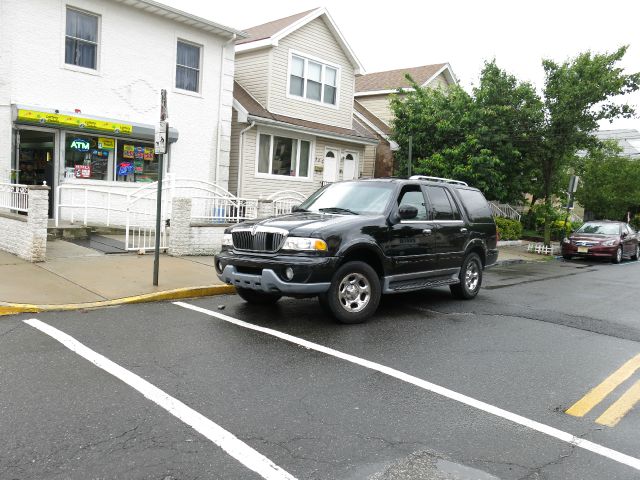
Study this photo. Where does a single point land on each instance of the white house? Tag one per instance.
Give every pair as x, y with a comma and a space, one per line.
80, 85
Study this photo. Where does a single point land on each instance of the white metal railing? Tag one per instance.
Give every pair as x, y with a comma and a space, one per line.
14, 196
83, 199
285, 200
504, 210
223, 209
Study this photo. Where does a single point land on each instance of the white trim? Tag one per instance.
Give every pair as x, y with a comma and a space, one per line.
311, 131
331, 24
446, 67
243, 113
306, 57
371, 125
299, 138
77, 68
382, 92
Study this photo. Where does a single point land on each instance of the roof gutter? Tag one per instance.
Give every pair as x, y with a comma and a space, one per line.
312, 131
241, 159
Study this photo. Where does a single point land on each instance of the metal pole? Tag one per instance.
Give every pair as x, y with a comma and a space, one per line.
156, 258
410, 146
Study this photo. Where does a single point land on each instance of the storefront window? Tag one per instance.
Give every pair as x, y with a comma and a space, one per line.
88, 157
136, 162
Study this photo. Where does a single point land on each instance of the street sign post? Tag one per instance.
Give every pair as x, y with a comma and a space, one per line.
161, 141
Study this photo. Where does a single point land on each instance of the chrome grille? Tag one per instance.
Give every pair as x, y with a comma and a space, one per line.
262, 239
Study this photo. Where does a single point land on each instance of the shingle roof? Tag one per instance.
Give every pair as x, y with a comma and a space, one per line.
267, 30
394, 79
383, 127
255, 109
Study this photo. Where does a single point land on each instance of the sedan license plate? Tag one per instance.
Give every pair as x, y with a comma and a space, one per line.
583, 249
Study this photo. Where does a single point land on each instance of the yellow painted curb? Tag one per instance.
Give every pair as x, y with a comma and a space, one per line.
189, 292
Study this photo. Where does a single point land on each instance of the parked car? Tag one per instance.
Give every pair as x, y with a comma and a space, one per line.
350, 242
602, 239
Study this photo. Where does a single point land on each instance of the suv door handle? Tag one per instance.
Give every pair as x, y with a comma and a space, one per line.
427, 231
463, 230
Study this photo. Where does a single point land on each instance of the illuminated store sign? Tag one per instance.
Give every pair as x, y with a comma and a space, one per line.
80, 145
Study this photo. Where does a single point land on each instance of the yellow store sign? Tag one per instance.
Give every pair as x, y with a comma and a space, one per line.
106, 143
72, 121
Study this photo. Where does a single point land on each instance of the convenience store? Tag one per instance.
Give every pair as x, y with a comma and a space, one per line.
63, 147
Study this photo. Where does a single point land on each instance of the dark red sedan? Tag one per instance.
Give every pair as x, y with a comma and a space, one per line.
602, 239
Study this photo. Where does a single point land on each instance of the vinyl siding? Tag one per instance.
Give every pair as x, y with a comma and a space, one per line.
379, 106
368, 163
316, 40
260, 187
252, 72
439, 81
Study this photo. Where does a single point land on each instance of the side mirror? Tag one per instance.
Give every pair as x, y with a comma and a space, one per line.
407, 212
624, 234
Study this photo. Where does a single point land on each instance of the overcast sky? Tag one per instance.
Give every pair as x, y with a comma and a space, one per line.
386, 35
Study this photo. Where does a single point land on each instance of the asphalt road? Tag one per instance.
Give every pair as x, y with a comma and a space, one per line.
436, 400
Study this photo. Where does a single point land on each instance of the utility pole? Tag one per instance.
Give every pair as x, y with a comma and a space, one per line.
409, 166
573, 187
161, 140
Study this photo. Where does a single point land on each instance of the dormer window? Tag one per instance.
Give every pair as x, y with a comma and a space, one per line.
313, 80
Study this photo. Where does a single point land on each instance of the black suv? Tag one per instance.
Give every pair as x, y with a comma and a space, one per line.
350, 242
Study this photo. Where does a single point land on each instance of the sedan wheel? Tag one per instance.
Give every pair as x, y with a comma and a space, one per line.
618, 256
636, 255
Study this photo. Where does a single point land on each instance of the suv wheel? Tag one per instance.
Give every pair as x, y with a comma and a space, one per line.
256, 297
617, 257
354, 293
470, 278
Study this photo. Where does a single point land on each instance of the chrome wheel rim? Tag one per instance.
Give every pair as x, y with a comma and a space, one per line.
637, 252
619, 255
354, 292
472, 276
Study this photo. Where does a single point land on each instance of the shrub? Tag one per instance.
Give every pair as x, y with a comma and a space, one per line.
509, 229
556, 229
635, 221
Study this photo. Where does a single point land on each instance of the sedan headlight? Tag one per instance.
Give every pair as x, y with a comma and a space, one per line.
610, 243
227, 240
566, 240
305, 244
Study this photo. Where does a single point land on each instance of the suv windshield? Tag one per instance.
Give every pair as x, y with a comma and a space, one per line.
348, 198
600, 228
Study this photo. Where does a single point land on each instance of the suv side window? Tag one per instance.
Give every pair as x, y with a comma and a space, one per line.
412, 195
442, 205
475, 205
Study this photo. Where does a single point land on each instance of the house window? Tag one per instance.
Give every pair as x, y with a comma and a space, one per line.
81, 40
313, 80
283, 156
188, 67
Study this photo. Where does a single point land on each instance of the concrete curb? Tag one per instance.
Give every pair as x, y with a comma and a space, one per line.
176, 294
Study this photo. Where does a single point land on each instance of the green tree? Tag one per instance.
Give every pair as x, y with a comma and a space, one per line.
610, 185
577, 95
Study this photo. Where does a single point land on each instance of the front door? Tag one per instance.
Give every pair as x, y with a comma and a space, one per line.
330, 170
411, 244
36, 160
350, 166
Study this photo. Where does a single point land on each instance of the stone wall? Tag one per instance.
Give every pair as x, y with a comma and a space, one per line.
187, 238
26, 236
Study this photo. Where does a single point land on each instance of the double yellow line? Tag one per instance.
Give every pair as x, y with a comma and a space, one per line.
620, 407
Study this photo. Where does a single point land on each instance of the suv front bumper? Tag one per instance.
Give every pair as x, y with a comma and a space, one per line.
312, 275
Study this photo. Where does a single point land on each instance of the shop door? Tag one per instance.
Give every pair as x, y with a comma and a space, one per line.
36, 160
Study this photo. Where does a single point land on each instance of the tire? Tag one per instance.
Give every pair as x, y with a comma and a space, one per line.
636, 256
470, 278
567, 257
354, 294
257, 298
617, 258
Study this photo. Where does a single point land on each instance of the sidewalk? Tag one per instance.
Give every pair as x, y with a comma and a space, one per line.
79, 277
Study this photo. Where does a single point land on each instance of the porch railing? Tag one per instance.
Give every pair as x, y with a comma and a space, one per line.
504, 210
14, 197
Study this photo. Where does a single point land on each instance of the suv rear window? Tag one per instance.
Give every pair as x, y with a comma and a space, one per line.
476, 206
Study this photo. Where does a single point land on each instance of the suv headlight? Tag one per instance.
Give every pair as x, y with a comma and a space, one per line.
227, 240
610, 243
305, 244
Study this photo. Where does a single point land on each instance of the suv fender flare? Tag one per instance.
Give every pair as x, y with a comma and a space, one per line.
478, 246
369, 247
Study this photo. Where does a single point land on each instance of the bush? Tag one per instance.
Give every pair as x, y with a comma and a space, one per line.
508, 229
635, 221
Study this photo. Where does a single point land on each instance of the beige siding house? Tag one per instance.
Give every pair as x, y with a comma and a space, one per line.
372, 104
293, 125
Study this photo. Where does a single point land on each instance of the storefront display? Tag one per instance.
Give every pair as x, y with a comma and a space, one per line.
136, 162
87, 160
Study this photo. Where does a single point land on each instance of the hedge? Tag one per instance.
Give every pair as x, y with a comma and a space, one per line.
508, 229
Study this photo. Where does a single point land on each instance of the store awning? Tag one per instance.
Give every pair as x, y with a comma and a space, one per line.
27, 115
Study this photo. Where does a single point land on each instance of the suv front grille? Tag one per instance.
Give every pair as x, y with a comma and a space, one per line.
262, 240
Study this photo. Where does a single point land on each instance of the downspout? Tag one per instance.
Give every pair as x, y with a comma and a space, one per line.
241, 157
222, 55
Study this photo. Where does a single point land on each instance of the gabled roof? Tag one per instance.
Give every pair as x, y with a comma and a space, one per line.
627, 139
253, 110
391, 80
156, 8
270, 33
370, 119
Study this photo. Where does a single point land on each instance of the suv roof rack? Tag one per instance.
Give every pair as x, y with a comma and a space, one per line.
438, 179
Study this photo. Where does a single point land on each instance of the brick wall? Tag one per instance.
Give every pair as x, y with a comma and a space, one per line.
26, 236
